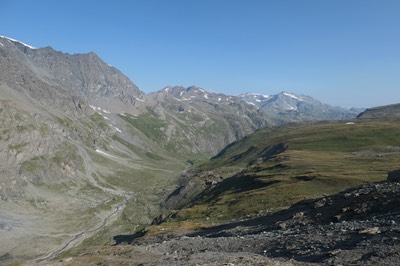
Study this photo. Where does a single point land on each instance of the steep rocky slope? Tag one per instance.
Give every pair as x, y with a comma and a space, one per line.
47, 73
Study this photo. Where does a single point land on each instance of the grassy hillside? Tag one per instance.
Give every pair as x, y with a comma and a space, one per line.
276, 167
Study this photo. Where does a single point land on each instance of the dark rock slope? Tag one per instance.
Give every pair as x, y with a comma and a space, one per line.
392, 110
358, 226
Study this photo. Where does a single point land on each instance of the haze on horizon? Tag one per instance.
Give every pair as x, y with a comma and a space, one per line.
340, 52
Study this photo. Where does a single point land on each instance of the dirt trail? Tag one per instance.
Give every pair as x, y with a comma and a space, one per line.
79, 237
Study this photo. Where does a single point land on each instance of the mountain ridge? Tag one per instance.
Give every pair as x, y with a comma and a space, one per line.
52, 56
381, 111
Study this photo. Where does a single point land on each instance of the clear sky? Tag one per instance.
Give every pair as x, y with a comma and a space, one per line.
342, 52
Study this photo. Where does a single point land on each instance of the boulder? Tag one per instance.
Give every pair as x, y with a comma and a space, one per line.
394, 176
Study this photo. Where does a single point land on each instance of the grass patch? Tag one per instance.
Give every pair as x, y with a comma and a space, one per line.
17, 147
99, 121
67, 154
67, 122
133, 179
107, 206
154, 156
148, 124
34, 164
5, 134
139, 151
24, 128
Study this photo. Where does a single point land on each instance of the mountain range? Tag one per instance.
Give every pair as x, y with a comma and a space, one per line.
86, 155
285, 106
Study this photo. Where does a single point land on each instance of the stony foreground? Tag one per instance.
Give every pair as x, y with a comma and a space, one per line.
356, 227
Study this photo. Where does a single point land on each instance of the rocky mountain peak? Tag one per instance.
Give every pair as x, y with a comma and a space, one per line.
85, 76
285, 101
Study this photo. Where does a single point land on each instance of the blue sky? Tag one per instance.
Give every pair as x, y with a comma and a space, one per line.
342, 52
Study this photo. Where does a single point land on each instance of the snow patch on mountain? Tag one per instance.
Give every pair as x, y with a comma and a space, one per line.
13, 40
116, 128
292, 96
106, 154
94, 107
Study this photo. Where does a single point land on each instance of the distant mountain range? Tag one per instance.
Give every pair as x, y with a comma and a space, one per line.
286, 106
276, 109
81, 146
